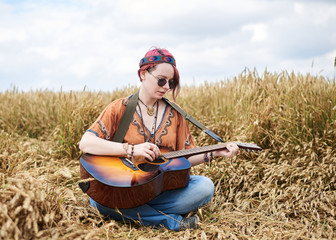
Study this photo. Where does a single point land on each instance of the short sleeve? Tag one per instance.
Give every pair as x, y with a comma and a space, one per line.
108, 121
184, 137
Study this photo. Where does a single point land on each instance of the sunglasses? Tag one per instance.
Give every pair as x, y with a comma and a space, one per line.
161, 81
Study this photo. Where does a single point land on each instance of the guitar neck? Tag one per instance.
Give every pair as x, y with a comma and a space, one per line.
199, 150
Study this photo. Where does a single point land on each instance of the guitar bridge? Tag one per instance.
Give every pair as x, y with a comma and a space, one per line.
129, 163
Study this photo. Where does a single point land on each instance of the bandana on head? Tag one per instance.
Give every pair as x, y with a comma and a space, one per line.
157, 59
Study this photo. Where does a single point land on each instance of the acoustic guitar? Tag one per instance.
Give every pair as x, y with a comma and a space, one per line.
118, 182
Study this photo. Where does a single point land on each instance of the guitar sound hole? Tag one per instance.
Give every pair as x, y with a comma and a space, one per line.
146, 167
160, 159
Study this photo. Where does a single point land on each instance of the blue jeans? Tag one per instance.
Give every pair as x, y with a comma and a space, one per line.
166, 209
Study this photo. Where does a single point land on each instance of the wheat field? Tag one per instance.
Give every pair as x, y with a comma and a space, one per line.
286, 191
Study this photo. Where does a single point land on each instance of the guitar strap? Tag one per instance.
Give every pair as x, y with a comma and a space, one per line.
130, 108
193, 120
126, 118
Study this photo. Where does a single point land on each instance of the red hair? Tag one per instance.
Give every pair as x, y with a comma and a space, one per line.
148, 67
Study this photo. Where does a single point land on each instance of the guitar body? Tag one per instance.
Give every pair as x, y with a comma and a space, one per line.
116, 182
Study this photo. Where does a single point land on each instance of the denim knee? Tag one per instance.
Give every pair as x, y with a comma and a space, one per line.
205, 188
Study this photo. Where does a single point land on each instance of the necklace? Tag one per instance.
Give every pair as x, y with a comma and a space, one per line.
150, 110
152, 132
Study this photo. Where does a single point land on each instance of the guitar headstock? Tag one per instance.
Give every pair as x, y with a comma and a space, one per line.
248, 146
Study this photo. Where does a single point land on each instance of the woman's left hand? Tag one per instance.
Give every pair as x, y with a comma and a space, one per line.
231, 150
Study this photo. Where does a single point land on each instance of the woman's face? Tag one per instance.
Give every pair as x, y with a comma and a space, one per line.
150, 80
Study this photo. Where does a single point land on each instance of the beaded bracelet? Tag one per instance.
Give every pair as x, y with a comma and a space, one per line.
206, 158
132, 151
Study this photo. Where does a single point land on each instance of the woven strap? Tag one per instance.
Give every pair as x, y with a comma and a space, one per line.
194, 121
126, 118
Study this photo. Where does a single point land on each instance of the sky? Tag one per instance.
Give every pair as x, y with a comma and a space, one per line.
97, 44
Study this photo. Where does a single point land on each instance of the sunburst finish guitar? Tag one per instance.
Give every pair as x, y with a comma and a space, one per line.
118, 182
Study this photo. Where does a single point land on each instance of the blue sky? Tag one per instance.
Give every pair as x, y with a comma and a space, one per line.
97, 44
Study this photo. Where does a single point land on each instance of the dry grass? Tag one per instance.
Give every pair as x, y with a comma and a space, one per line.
288, 191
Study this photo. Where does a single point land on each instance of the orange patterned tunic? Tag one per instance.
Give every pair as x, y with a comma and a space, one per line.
172, 132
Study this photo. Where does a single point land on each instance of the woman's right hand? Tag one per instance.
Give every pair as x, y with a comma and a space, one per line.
147, 150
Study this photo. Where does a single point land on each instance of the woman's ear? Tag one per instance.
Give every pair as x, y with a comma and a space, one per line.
142, 75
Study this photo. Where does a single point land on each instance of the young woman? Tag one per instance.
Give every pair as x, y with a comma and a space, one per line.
155, 125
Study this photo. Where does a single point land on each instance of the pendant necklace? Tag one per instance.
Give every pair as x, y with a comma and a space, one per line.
150, 110
152, 132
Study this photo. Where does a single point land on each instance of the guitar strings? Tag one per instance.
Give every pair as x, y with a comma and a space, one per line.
192, 151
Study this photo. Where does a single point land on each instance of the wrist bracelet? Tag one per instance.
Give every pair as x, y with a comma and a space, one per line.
132, 151
125, 146
206, 158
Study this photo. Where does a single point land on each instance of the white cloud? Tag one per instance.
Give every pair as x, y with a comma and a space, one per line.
98, 43
259, 31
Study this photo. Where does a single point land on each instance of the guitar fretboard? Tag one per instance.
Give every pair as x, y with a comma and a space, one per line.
199, 150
